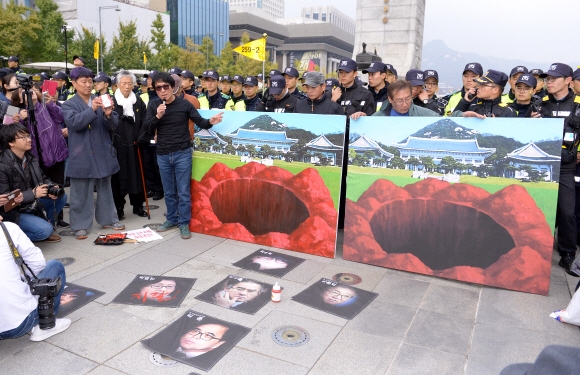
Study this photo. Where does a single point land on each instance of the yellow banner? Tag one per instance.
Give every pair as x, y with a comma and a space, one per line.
96, 49
144, 58
256, 49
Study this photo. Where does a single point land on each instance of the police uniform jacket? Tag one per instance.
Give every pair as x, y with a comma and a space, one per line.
285, 105
357, 99
522, 110
252, 104
453, 100
380, 96
238, 103
321, 106
484, 107
216, 101
62, 94
298, 94
431, 104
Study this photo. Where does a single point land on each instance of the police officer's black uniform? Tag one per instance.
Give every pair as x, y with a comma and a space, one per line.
286, 105
491, 107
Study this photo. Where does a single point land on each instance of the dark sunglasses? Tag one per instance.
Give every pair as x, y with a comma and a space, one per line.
162, 87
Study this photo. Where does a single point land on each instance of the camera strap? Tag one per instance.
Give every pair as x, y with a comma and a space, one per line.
17, 257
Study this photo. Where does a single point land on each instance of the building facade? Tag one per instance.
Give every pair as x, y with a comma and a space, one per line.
330, 15
465, 151
275, 8
363, 144
321, 145
277, 140
537, 159
197, 19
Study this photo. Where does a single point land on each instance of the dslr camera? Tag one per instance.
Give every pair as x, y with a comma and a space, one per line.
24, 80
56, 191
46, 290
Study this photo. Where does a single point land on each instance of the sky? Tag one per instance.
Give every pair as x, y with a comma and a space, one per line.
531, 30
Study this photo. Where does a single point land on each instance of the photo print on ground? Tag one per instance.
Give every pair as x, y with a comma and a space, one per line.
159, 291
196, 339
239, 294
76, 296
335, 298
269, 262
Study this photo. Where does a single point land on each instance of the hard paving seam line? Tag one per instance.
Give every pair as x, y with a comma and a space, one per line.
328, 347
475, 322
114, 369
394, 357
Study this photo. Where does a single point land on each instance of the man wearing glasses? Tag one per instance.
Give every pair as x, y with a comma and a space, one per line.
400, 102
561, 102
421, 98
169, 116
485, 100
237, 294
200, 340
514, 76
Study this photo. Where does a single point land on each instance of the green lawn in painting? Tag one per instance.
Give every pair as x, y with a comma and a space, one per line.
203, 161
544, 193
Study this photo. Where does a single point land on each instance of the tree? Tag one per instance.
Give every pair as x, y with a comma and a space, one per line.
351, 154
428, 163
448, 164
83, 45
413, 162
266, 151
226, 61
379, 161
50, 44
251, 149
188, 58
211, 61
19, 29
242, 149
397, 163
231, 150
127, 50
158, 34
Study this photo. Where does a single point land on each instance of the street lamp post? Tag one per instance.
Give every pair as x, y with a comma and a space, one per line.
116, 7
65, 50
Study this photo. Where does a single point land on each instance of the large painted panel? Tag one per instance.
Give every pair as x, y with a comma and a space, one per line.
270, 179
465, 199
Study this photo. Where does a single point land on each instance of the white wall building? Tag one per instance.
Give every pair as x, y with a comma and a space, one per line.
330, 15
274, 8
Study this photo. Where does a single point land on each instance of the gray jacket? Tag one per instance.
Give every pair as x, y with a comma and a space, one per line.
91, 152
414, 111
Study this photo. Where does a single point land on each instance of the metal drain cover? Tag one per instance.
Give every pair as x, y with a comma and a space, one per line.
290, 336
161, 360
66, 261
152, 226
68, 232
347, 278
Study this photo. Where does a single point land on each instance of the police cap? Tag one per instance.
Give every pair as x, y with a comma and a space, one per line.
102, 77
430, 73
277, 85
225, 78
347, 65
536, 72
474, 67
331, 83
576, 75
238, 78
251, 81
376, 66
493, 76
60, 75
175, 70
558, 70
519, 69
415, 77
211, 74
291, 72
528, 80
187, 74
13, 58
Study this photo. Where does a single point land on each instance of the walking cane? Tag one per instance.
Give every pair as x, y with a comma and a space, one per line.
143, 181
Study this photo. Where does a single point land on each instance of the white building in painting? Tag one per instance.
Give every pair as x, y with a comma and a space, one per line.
277, 140
533, 156
465, 151
323, 146
363, 144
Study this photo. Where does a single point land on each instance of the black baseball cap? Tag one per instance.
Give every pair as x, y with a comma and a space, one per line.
13, 58
251, 81
474, 67
4, 72
348, 65
225, 78
238, 78
519, 69
44, 76
60, 75
201, 75
292, 72
528, 79
493, 76
431, 73
113, 81
260, 76
277, 85
187, 74
558, 70
376, 66
576, 75
415, 77
175, 70
102, 77
211, 74
536, 72
143, 82
151, 74
78, 57
80, 71
331, 83
274, 72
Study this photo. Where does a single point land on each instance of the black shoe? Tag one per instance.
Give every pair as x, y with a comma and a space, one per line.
67, 205
566, 261
158, 195
67, 182
150, 193
121, 215
63, 224
139, 211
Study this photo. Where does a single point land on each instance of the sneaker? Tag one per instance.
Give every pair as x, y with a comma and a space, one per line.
116, 226
42, 334
158, 195
566, 261
81, 234
63, 224
166, 226
185, 232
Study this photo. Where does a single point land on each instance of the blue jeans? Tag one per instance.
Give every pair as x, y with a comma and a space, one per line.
175, 171
53, 269
53, 207
38, 229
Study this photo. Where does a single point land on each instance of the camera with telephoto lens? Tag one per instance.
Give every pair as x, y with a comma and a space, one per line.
56, 191
46, 290
24, 80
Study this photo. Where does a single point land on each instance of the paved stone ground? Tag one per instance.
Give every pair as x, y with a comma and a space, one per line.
417, 325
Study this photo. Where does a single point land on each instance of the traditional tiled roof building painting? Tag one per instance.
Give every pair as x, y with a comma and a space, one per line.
325, 147
465, 151
277, 140
533, 156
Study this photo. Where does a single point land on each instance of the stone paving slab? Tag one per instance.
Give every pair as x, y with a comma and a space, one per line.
104, 370
226, 253
384, 319
187, 248
416, 360
109, 280
150, 262
457, 302
207, 274
401, 291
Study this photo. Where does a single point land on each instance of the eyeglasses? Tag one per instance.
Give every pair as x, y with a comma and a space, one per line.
335, 293
551, 79
24, 137
162, 87
524, 89
154, 286
203, 335
403, 101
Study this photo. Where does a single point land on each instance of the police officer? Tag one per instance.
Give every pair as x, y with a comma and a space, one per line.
78, 61
316, 102
251, 92
355, 99
188, 82
213, 98
432, 86
225, 85
13, 63
420, 96
391, 73
291, 75
486, 100
470, 73
524, 88
238, 97
61, 89
540, 89
333, 86
576, 81
280, 99
377, 82
563, 103
514, 75
101, 82
175, 70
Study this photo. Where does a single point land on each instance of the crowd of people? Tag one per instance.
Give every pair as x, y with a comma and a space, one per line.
120, 136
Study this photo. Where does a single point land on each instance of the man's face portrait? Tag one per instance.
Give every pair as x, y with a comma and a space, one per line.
67, 297
333, 295
203, 338
244, 291
269, 263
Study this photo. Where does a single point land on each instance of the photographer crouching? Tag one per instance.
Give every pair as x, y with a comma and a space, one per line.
20, 173
19, 309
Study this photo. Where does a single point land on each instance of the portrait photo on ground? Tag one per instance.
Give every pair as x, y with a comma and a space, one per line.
162, 291
74, 297
269, 262
239, 294
335, 298
197, 340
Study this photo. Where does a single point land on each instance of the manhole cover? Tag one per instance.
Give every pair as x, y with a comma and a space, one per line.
347, 278
66, 261
151, 207
152, 226
290, 336
161, 360
68, 232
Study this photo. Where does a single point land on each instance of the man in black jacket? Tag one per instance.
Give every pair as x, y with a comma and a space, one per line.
420, 96
562, 103
355, 99
19, 169
378, 85
279, 99
251, 93
317, 102
291, 75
